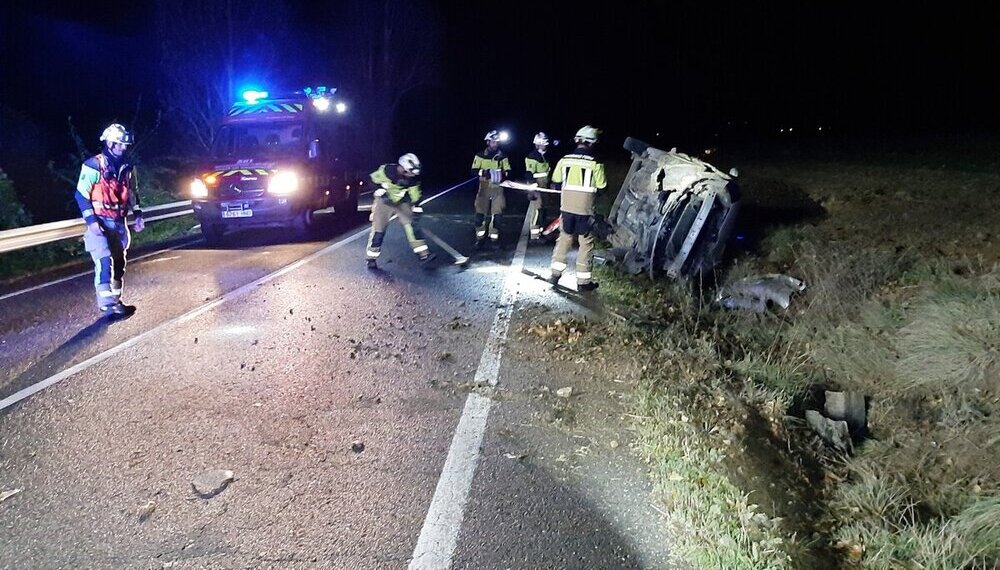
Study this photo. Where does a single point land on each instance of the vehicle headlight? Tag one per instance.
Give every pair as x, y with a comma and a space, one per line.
198, 189
283, 183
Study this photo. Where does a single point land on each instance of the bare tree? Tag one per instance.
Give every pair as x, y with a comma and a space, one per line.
206, 48
395, 48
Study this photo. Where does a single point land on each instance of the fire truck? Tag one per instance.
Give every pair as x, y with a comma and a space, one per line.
277, 162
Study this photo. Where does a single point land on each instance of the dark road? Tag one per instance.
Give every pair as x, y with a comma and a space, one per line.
272, 360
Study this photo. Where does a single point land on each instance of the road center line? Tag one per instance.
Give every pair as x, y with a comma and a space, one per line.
439, 535
101, 357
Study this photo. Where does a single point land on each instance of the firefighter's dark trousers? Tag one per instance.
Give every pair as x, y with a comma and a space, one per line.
382, 210
109, 250
574, 226
490, 203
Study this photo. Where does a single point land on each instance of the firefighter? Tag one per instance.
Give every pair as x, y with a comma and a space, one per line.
398, 193
492, 167
537, 168
106, 192
579, 176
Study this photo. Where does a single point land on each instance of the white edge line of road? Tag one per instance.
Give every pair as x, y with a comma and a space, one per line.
439, 535
150, 254
98, 358
91, 272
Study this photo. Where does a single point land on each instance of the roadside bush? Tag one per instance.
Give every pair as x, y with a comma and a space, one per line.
12, 212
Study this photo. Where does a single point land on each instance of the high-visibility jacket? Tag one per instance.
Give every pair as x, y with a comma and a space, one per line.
537, 166
106, 189
397, 187
493, 165
579, 176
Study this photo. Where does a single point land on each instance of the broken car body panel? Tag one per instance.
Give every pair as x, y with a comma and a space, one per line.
673, 214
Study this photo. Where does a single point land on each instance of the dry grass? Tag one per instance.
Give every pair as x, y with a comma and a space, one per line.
903, 305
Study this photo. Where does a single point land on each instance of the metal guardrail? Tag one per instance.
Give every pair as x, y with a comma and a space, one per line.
30, 236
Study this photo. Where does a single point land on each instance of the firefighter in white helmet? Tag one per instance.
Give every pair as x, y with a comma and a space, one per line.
397, 192
106, 192
492, 167
537, 169
579, 176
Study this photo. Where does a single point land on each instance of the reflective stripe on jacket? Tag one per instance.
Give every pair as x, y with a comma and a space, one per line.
537, 167
496, 162
580, 176
395, 185
108, 194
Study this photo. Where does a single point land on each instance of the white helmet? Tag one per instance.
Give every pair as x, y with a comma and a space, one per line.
492, 136
587, 134
116, 133
410, 163
541, 138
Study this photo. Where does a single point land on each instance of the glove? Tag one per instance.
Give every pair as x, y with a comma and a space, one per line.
139, 223
382, 195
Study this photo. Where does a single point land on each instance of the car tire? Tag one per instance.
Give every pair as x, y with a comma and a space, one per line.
305, 224
214, 234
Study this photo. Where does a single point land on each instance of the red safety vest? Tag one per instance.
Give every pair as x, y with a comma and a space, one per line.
110, 196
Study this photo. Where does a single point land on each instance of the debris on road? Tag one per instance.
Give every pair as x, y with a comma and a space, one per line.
146, 511
515, 456
565, 392
8, 494
210, 483
759, 292
357, 446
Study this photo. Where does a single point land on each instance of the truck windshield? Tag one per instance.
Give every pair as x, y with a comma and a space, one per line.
258, 140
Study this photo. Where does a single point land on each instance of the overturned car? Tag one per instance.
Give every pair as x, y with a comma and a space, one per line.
673, 214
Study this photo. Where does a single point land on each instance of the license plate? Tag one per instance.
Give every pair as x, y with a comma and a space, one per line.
237, 214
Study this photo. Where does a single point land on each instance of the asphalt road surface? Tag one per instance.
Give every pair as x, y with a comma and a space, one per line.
317, 382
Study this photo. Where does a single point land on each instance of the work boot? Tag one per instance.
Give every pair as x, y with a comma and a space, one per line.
554, 279
426, 259
118, 311
372, 264
584, 287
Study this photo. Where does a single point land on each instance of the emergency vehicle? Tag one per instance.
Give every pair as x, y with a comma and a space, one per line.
277, 162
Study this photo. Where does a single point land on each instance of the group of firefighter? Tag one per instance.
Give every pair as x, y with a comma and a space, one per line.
577, 178
105, 194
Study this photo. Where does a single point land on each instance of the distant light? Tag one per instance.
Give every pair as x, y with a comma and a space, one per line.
739, 237
782, 130
657, 134
252, 96
790, 129
819, 129
321, 104
341, 107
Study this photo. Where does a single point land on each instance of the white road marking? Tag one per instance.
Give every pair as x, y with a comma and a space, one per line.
439, 535
144, 256
101, 357
91, 272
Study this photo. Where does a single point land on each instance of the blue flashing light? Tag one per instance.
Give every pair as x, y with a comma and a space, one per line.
252, 95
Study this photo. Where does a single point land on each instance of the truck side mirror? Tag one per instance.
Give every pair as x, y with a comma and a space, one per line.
314, 149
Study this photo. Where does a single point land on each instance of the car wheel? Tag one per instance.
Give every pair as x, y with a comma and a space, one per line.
305, 224
213, 233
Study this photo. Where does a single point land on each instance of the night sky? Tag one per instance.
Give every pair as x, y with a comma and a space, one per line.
632, 68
